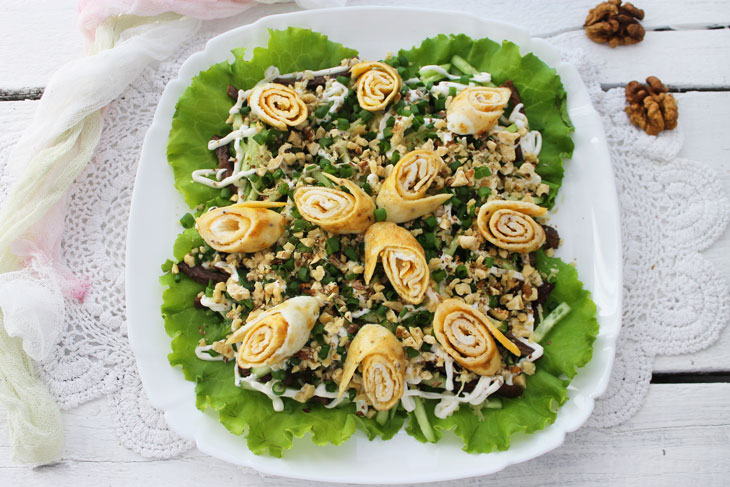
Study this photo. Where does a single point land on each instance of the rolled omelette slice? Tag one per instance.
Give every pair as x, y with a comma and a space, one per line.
403, 259
467, 335
335, 210
403, 193
476, 109
243, 227
382, 365
278, 105
378, 84
509, 225
276, 334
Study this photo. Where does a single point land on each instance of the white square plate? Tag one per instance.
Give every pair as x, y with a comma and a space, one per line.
586, 213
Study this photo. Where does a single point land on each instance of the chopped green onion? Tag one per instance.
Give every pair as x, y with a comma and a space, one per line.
366, 115
343, 124
343, 79
332, 245
431, 221
452, 247
324, 351
322, 111
178, 277
381, 214
278, 388
484, 192
352, 304
461, 271
511, 128
452, 90
438, 275
346, 171
187, 221
395, 157
303, 274
226, 192
278, 374
551, 320
351, 253
482, 172
412, 352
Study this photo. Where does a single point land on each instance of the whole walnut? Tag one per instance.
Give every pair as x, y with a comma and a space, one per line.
651, 107
615, 23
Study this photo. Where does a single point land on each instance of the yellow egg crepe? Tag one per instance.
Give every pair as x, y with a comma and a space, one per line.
335, 210
509, 225
278, 105
378, 84
382, 365
243, 227
276, 334
466, 334
403, 259
403, 193
476, 109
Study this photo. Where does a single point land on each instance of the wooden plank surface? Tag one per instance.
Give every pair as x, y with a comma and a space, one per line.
39, 39
680, 437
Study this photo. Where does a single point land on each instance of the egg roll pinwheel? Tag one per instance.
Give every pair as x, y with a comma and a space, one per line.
476, 109
243, 227
382, 365
335, 210
509, 225
378, 84
468, 336
276, 334
278, 105
403, 193
403, 259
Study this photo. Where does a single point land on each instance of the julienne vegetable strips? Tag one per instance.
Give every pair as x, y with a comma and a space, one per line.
366, 243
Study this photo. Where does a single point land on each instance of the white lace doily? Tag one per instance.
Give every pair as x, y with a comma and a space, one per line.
671, 210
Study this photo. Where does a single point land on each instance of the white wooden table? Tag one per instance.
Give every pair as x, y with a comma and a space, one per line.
682, 434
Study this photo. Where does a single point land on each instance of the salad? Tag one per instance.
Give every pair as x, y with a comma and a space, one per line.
368, 245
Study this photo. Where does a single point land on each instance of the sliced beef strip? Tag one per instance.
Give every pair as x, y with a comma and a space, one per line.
224, 158
514, 97
525, 350
201, 275
509, 391
232, 91
543, 292
552, 237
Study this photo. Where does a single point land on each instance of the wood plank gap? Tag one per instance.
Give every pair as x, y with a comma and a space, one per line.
675, 89
690, 378
22, 94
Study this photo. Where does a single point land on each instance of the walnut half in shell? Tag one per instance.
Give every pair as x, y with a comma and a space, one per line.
651, 107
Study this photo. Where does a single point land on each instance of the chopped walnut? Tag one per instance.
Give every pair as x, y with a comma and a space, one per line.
305, 393
616, 24
651, 107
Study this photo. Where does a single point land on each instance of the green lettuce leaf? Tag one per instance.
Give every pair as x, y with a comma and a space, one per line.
541, 90
568, 346
201, 111
200, 114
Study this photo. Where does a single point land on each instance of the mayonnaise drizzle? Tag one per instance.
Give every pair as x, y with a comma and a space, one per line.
336, 93
212, 305
531, 142
200, 353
